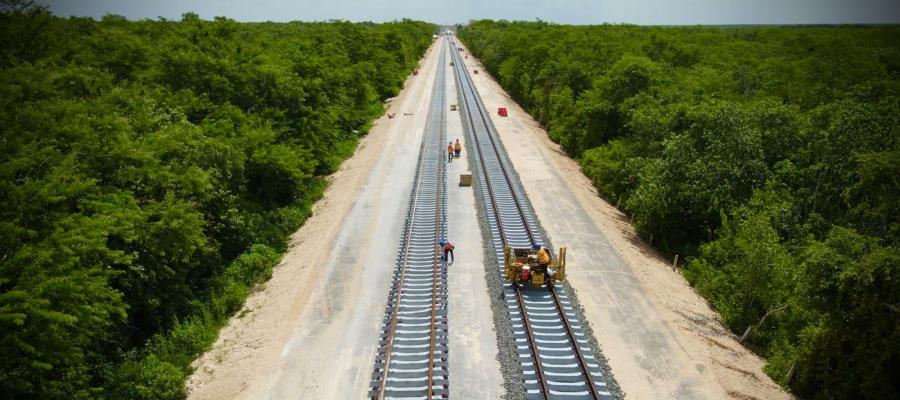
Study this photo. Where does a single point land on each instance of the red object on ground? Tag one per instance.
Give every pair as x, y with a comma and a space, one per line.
502, 111
525, 275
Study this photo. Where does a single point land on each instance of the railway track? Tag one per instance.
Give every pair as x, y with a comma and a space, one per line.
554, 355
412, 360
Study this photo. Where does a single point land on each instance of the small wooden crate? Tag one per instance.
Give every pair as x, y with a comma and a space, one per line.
465, 179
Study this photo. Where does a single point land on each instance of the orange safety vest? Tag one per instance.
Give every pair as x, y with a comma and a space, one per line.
449, 148
458, 146
543, 256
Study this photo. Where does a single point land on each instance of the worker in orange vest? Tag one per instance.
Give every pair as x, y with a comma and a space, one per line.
457, 148
543, 257
449, 151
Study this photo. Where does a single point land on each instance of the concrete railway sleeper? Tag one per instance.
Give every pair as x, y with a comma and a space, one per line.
554, 355
412, 359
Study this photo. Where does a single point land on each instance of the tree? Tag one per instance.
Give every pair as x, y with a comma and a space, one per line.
150, 173
759, 154
850, 281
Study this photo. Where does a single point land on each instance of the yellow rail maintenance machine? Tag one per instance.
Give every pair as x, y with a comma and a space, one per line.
521, 266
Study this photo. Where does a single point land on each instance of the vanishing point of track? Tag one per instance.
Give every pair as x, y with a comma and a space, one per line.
412, 357
553, 352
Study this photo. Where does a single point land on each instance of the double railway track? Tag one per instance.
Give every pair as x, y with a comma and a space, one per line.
412, 360
555, 358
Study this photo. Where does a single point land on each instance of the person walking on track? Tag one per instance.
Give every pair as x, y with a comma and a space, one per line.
447, 249
449, 151
457, 148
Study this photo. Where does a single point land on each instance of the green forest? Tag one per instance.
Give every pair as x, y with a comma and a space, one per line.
767, 157
150, 173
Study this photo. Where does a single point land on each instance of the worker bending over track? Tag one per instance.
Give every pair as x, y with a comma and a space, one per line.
447, 248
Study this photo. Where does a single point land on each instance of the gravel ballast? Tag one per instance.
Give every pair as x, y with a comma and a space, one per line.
507, 351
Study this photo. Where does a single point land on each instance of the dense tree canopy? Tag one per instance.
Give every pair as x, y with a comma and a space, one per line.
770, 156
150, 172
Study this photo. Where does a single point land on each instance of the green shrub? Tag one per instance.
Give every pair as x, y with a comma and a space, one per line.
148, 378
765, 156
150, 173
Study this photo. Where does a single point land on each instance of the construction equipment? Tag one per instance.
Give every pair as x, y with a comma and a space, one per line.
521, 268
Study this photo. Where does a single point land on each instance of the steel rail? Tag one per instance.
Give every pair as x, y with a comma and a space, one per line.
487, 120
441, 186
532, 344
578, 356
399, 296
536, 361
428, 196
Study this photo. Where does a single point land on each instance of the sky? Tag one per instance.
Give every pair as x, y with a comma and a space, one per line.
642, 12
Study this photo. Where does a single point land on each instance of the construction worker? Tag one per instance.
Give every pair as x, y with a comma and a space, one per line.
449, 151
543, 257
457, 148
447, 248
